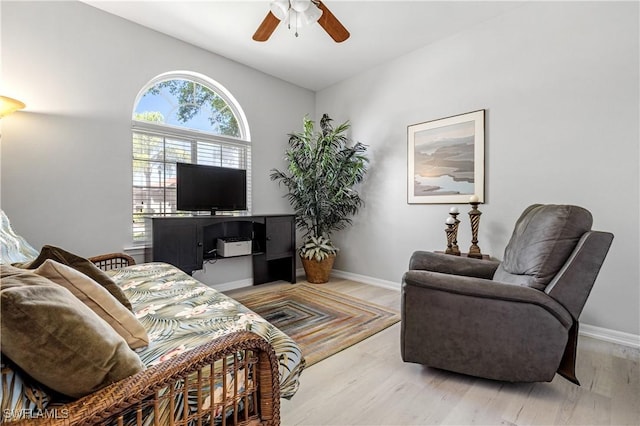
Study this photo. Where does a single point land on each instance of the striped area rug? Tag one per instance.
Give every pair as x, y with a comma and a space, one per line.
323, 322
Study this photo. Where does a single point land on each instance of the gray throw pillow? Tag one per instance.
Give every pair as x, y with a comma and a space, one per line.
58, 340
98, 299
82, 265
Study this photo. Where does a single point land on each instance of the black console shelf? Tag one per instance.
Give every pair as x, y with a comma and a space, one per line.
187, 241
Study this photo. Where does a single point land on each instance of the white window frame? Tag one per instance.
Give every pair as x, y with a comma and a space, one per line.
195, 137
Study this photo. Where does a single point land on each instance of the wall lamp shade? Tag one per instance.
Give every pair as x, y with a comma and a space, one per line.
9, 105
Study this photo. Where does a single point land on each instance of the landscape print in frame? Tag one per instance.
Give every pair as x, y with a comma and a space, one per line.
446, 160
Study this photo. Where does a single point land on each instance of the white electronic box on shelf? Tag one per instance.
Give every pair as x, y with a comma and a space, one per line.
229, 247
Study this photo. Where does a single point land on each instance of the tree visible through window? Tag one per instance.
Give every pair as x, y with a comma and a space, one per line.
187, 119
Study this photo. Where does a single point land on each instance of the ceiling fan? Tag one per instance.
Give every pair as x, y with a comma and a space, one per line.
299, 13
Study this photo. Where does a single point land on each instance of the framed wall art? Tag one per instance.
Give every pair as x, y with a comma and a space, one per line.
446, 160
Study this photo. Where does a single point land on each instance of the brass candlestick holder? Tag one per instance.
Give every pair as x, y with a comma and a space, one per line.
474, 217
454, 243
450, 222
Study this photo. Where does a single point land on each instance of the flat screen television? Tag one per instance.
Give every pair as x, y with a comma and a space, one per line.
210, 188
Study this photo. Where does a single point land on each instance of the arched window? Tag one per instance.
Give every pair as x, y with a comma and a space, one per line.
182, 117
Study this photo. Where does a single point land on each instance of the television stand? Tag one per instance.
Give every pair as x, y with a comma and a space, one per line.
188, 241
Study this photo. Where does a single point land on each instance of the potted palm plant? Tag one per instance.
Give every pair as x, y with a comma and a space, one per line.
323, 168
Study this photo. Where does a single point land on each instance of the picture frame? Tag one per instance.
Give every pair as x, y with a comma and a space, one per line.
446, 160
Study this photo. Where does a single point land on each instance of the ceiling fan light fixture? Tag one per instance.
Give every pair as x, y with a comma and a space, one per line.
280, 9
300, 5
297, 14
304, 19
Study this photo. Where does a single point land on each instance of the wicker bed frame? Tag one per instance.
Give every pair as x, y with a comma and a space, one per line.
256, 401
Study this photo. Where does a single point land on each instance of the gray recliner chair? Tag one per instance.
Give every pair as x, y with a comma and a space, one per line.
515, 320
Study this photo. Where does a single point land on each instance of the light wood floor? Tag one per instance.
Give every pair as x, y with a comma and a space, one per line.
369, 384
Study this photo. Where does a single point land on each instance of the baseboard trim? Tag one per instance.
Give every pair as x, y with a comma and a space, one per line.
600, 333
356, 277
300, 272
392, 285
233, 285
612, 336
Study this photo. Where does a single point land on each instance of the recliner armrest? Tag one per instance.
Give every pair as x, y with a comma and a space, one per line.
488, 289
454, 265
482, 327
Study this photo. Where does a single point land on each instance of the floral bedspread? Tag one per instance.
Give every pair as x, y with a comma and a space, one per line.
180, 313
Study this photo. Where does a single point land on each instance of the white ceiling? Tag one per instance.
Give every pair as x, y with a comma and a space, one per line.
380, 31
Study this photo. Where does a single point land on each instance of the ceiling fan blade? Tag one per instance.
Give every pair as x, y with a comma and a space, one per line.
331, 25
266, 28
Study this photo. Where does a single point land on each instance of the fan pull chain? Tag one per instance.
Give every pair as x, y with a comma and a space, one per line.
295, 15
296, 33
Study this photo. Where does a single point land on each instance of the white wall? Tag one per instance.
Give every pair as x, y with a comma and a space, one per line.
66, 159
559, 82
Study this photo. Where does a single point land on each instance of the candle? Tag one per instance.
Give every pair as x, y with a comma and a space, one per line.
454, 210
474, 199
450, 221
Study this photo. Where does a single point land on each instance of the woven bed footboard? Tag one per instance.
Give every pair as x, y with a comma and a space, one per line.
109, 261
232, 380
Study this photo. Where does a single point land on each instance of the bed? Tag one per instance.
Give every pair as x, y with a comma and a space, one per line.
209, 361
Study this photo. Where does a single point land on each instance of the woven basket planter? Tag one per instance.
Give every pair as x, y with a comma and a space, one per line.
318, 271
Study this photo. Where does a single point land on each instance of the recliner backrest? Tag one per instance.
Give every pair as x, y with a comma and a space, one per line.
572, 285
544, 238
